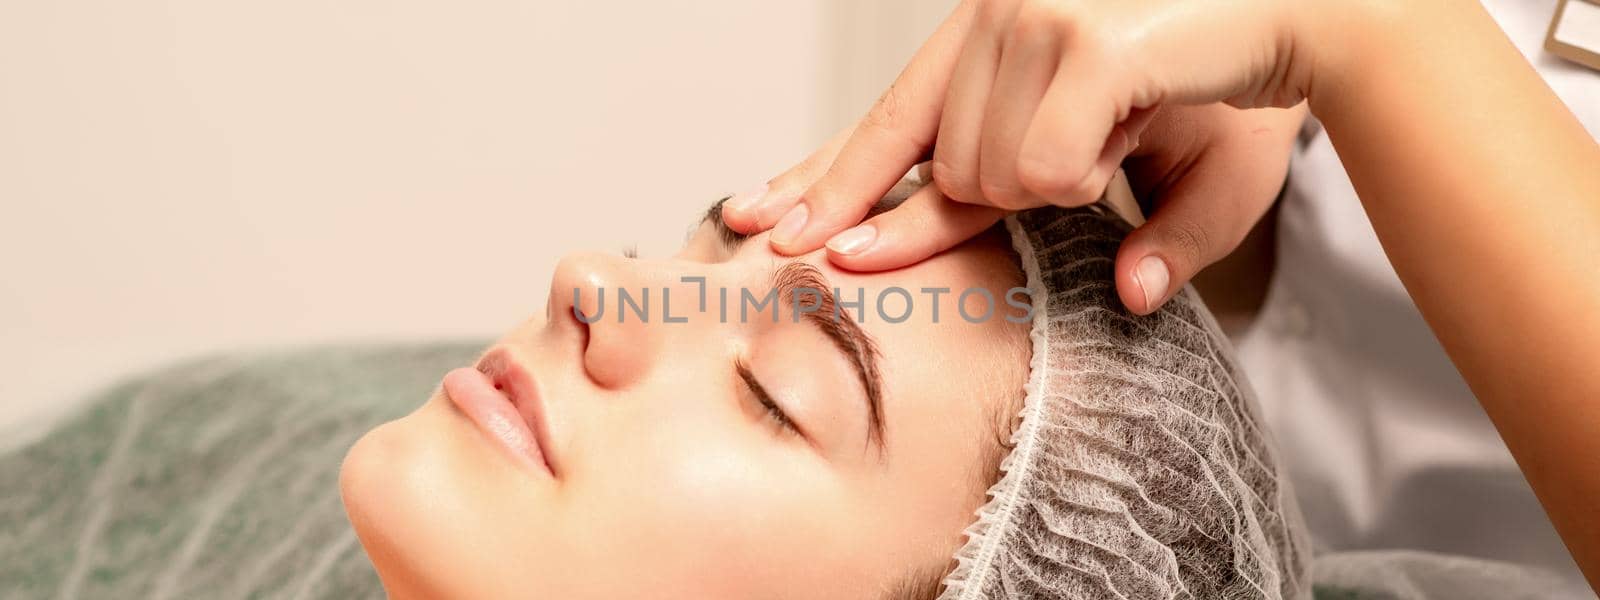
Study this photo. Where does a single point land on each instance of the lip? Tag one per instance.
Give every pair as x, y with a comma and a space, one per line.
502, 399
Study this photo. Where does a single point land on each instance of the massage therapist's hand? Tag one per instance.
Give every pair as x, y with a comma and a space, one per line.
1023, 103
1476, 178
1212, 172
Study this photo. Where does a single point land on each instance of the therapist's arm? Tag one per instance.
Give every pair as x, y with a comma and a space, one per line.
1485, 192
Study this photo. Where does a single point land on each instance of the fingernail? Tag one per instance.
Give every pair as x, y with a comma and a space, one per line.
853, 240
1152, 277
789, 228
743, 201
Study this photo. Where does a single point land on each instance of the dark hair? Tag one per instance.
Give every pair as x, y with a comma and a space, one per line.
922, 584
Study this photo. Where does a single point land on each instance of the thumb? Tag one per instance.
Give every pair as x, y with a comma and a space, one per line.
1199, 222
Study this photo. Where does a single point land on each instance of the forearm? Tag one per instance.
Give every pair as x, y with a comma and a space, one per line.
1485, 192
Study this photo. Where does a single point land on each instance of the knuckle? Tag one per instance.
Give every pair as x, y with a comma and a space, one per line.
1043, 177
998, 193
885, 113
956, 184
1189, 241
955, 191
1064, 20
1030, 26
992, 14
1090, 39
1088, 189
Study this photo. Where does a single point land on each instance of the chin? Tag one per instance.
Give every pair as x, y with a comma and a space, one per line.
399, 483
430, 497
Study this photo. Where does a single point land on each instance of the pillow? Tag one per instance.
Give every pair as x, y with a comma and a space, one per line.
217, 478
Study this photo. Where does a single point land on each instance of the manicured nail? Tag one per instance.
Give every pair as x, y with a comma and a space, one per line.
1152, 276
853, 240
742, 202
789, 228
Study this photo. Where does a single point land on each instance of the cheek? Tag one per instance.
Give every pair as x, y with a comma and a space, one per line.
694, 493
688, 472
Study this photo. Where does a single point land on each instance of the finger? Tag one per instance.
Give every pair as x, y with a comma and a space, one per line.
955, 153
1201, 220
1027, 65
1067, 138
758, 209
926, 224
1121, 142
896, 133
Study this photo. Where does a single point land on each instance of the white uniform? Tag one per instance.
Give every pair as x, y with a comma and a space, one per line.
1386, 446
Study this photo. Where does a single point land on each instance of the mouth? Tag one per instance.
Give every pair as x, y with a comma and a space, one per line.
500, 396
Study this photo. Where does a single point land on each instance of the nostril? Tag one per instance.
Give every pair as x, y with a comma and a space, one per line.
582, 320
585, 335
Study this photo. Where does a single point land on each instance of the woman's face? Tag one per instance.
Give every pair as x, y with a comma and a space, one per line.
667, 475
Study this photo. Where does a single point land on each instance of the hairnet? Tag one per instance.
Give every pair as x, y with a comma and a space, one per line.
1139, 467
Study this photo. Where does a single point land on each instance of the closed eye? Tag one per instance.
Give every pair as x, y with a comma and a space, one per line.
774, 412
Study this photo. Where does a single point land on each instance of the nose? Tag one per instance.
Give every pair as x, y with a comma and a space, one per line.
620, 302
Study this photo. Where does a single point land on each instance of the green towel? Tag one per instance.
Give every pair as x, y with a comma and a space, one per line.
213, 479
219, 479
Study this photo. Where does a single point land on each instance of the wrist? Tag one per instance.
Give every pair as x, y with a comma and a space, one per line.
1346, 43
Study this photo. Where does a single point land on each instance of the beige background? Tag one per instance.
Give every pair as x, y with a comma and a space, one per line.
184, 177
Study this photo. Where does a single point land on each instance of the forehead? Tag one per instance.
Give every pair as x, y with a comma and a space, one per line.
951, 386
938, 361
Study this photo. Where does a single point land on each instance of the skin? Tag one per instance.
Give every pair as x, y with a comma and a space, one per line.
1482, 187
1209, 173
671, 480
997, 74
1499, 245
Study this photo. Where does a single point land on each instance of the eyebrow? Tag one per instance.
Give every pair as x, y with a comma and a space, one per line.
847, 336
713, 216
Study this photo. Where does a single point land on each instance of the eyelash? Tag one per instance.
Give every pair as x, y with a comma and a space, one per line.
774, 411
